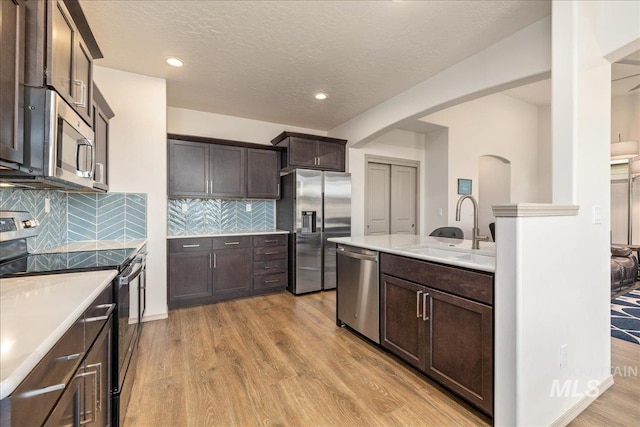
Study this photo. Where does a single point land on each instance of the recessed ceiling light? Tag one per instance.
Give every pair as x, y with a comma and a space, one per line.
321, 95
174, 62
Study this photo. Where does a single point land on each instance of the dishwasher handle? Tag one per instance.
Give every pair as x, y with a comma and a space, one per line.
366, 257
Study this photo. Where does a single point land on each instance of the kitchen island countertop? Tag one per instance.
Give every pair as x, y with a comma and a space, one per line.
455, 252
35, 312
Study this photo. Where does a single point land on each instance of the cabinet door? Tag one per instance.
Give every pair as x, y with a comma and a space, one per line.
460, 351
61, 50
82, 83
12, 17
232, 270
96, 374
330, 156
227, 171
101, 145
263, 174
188, 169
189, 276
67, 411
302, 152
404, 331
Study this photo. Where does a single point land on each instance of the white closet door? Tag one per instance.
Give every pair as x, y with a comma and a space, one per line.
378, 199
403, 199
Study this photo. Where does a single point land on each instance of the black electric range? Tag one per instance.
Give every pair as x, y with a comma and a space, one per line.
67, 262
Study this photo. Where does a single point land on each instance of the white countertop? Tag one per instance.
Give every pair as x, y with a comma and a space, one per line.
230, 233
97, 245
438, 249
35, 312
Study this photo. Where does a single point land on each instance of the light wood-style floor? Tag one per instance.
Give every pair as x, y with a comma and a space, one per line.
281, 360
277, 360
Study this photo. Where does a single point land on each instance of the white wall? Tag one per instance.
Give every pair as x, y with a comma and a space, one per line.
398, 144
138, 163
496, 125
200, 123
494, 188
625, 117
437, 180
544, 154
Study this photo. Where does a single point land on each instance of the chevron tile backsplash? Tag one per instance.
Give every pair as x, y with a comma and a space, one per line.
77, 217
203, 216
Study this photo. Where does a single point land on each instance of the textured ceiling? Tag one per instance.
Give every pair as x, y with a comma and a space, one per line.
265, 59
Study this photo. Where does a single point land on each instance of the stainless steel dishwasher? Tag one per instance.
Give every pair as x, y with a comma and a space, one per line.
358, 290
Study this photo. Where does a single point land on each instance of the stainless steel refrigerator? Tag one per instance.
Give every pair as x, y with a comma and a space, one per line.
314, 206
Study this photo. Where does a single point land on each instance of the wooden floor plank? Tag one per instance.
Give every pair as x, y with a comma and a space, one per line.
281, 360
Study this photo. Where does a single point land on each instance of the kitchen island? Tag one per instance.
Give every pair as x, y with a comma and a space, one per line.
435, 309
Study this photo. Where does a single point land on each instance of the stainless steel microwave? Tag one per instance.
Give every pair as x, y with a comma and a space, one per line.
59, 150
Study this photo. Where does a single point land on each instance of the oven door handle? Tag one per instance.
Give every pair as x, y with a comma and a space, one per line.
135, 272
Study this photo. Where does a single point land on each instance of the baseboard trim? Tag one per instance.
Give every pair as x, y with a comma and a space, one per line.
152, 317
582, 404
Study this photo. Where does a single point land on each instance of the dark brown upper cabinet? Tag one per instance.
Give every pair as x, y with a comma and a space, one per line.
263, 174
311, 151
102, 113
12, 18
60, 52
207, 167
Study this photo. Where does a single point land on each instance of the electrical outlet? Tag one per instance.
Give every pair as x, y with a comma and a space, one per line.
563, 356
184, 208
248, 207
47, 205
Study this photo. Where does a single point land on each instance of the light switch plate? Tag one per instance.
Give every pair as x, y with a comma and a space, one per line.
597, 215
248, 207
184, 208
47, 205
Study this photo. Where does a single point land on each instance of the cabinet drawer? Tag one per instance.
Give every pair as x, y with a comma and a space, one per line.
34, 398
190, 245
97, 315
269, 253
231, 242
465, 283
270, 281
269, 267
269, 240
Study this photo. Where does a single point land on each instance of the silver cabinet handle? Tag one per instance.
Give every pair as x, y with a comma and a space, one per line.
231, 243
270, 267
424, 307
271, 241
83, 93
207, 186
191, 246
109, 308
93, 375
210, 266
418, 303
271, 281
215, 261
41, 391
271, 252
68, 357
278, 190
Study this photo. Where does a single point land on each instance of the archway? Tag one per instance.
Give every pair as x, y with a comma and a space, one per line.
494, 188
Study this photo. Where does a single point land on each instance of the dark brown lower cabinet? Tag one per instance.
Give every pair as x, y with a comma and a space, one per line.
189, 276
230, 272
446, 336
403, 330
205, 270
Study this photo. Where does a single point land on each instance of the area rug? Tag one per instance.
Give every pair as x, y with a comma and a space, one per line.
625, 317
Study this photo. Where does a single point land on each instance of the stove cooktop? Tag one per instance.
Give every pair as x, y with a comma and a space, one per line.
67, 262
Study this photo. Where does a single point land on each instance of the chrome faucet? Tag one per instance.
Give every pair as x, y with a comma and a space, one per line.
476, 238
